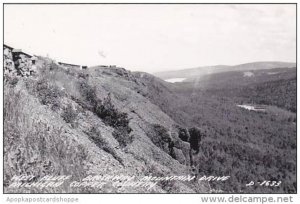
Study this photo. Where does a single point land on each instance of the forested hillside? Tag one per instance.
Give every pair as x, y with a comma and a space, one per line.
248, 145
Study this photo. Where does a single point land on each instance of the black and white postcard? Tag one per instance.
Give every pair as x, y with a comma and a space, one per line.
149, 98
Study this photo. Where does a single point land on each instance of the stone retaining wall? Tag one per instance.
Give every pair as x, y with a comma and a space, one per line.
17, 62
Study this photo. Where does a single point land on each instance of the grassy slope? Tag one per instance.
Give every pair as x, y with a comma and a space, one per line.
54, 125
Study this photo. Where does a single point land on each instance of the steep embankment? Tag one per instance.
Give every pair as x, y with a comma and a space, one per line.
64, 121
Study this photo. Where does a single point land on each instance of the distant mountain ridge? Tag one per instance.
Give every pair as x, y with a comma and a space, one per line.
205, 70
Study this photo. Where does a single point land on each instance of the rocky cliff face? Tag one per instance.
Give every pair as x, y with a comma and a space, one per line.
97, 121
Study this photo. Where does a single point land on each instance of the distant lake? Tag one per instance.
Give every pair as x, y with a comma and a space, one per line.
173, 80
252, 107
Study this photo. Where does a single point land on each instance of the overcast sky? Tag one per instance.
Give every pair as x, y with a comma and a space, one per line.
154, 38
